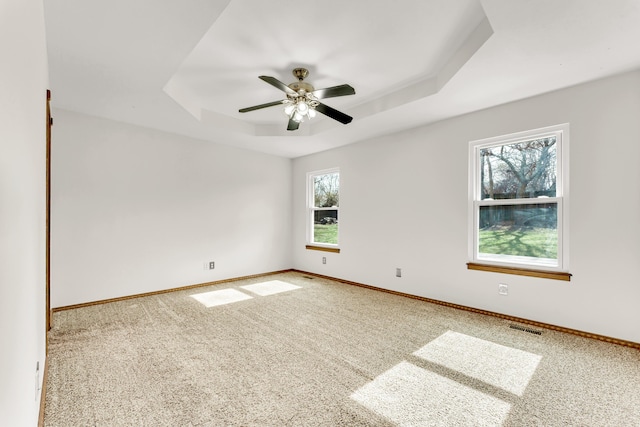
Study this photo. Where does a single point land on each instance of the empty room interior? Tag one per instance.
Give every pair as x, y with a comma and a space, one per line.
357, 213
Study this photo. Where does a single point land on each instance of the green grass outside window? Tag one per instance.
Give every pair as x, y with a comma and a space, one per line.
325, 233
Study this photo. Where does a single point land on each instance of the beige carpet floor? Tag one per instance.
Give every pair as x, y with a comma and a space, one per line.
292, 350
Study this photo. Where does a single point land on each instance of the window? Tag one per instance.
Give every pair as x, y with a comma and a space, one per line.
518, 204
323, 204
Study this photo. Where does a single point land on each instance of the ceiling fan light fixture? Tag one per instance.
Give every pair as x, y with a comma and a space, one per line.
302, 100
300, 107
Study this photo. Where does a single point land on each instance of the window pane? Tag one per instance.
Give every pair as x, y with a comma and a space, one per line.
529, 231
326, 190
325, 226
520, 170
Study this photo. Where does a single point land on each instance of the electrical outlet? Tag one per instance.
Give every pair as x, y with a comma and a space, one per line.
212, 265
503, 289
324, 259
398, 272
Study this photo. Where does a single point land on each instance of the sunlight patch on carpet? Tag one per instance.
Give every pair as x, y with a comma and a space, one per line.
507, 368
271, 287
409, 395
221, 297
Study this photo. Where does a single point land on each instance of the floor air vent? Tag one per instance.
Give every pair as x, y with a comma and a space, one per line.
525, 329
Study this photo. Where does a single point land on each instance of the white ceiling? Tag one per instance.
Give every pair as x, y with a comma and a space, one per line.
187, 66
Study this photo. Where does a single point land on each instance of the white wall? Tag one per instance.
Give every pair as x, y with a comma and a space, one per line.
136, 210
403, 203
23, 84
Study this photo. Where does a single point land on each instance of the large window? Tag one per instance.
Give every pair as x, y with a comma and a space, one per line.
323, 203
518, 199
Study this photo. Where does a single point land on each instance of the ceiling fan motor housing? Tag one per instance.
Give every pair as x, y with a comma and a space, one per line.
304, 86
301, 74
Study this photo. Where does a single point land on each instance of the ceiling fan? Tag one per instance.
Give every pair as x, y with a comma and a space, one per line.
302, 99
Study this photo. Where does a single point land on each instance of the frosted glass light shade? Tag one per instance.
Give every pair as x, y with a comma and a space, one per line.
288, 109
302, 107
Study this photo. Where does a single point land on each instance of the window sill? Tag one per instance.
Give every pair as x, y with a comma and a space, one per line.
323, 248
556, 275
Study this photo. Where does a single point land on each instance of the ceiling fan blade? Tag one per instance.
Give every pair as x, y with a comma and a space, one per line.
257, 107
334, 91
293, 125
333, 113
277, 83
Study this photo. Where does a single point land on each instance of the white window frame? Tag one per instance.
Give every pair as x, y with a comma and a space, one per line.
561, 132
311, 209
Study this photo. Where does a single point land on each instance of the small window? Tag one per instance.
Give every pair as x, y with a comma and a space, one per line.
518, 199
324, 206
